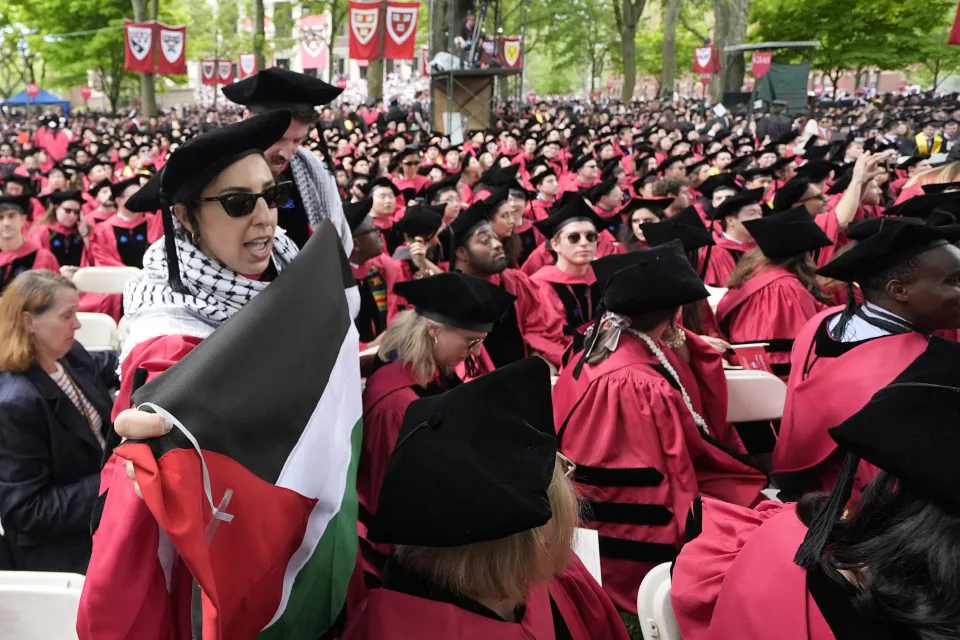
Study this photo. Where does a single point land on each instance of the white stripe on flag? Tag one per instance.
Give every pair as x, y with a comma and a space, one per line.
317, 466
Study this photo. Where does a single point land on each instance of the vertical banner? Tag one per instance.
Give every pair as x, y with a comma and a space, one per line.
955, 31
364, 20
761, 63
246, 65
703, 60
224, 71
401, 33
138, 55
173, 50
314, 52
424, 60
208, 72
511, 51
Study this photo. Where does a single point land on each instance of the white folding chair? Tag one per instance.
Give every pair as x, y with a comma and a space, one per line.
98, 331
39, 605
103, 279
654, 607
586, 544
716, 294
754, 395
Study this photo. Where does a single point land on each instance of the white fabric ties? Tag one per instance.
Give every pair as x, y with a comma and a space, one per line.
218, 511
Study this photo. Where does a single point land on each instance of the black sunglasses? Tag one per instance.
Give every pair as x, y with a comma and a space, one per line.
238, 205
574, 237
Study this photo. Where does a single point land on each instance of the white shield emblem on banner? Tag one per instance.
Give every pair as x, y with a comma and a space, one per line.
140, 41
248, 62
400, 23
207, 68
364, 23
171, 44
703, 56
511, 52
226, 70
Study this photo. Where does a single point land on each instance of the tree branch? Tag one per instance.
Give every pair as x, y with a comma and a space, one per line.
689, 27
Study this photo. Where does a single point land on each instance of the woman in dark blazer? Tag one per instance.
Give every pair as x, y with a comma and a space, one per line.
54, 416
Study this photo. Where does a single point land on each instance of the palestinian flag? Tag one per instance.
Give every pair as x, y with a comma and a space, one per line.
270, 408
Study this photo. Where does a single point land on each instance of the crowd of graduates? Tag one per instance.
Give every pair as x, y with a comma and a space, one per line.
539, 330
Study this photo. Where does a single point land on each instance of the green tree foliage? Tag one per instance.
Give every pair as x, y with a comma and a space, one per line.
889, 34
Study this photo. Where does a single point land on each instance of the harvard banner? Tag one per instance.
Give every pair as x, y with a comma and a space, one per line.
705, 60
955, 31
246, 65
761, 63
260, 500
313, 42
364, 19
208, 72
138, 40
173, 50
224, 72
511, 51
401, 30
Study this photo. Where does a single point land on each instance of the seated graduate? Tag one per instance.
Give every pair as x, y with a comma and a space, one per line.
419, 253
774, 290
733, 236
607, 199
573, 286
532, 325
101, 206
123, 238
376, 274
385, 196
887, 569
63, 231
482, 514
643, 416
418, 356
638, 212
17, 254
698, 244
909, 274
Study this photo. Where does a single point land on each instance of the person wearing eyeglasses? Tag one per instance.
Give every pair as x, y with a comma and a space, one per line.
404, 167
222, 246
419, 355
584, 174
63, 231
571, 282
482, 512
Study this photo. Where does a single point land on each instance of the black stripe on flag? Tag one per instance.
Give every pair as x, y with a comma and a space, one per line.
249, 389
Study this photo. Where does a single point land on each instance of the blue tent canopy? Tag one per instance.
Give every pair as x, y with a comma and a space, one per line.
44, 98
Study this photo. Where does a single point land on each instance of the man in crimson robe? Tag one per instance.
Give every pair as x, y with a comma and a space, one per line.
909, 276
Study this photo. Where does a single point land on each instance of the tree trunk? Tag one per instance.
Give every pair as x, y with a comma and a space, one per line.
668, 79
936, 74
731, 29
148, 96
440, 27
335, 21
375, 79
259, 35
856, 79
632, 10
835, 79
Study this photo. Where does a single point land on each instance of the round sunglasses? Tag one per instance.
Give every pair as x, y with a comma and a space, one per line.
574, 237
238, 205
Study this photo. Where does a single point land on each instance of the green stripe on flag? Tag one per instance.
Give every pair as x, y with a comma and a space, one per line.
320, 589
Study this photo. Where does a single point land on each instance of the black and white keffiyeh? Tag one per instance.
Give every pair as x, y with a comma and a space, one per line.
152, 308
318, 192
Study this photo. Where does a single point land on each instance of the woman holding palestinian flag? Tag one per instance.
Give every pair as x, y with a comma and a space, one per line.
157, 570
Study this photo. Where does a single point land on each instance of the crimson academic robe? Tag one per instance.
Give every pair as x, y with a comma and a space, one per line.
771, 307
95, 216
613, 219
135, 586
641, 459
734, 248
65, 244
538, 209
29, 256
533, 315
737, 579
571, 182
530, 238
828, 384
118, 242
719, 266
543, 255
571, 606
378, 303
575, 297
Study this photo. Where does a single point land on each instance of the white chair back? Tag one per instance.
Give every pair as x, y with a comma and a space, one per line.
103, 279
754, 395
98, 331
654, 607
716, 294
586, 544
39, 605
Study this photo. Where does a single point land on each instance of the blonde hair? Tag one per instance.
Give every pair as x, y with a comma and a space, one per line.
801, 265
507, 568
937, 175
33, 292
408, 338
